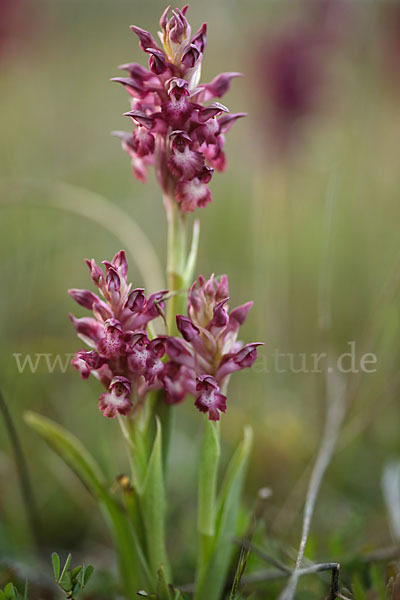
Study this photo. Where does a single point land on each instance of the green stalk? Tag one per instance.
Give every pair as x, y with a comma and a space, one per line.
166, 414
207, 499
176, 260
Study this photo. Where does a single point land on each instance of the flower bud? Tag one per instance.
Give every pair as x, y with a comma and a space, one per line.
146, 40
199, 40
186, 328
220, 315
84, 297
157, 61
95, 272
120, 263
136, 300
190, 56
175, 31
112, 279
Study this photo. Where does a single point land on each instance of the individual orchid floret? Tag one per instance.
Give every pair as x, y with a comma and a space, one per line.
209, 399
86, 361
210, 351
174, 129
121, 354
117, 401
178, 381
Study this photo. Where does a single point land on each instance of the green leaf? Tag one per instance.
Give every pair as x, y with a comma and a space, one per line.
134, 570
88, 572
66, 566
2, 595
231, 489
10, 592
66, 582
71, 451
211, 578
152, 498
163, 589
75, 572
76, 589
56, 565
207, 494
208, 474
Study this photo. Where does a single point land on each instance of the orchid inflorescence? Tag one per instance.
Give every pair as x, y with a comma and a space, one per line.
183, 137
175, 130
130, 363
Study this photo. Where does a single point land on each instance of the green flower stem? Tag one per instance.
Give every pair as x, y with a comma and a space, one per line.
207, 499
166, 414
176, 260
192, 256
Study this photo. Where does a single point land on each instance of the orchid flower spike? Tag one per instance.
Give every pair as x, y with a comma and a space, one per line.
121, 354
209, 352
175, 128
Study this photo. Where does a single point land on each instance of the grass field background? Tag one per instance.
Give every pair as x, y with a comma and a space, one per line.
283, 225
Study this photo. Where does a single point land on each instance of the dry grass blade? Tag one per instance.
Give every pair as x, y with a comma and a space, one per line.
272, 574
335, 412
244, 555
391, 494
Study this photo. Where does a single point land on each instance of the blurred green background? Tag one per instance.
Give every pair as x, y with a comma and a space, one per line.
307, 213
